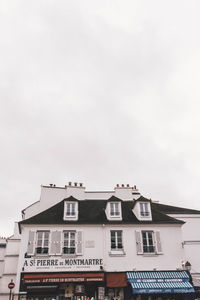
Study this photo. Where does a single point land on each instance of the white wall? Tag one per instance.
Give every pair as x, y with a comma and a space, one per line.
169, 260
191, 239
10, 263
100, 238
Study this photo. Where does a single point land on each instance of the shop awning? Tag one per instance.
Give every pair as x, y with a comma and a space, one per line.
163, 282
62, 277
116, 280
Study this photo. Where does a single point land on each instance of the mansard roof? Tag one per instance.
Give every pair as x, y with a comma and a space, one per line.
169, 209
93, 212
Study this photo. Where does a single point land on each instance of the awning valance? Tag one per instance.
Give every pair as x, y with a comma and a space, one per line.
116, 280
62, 277
163, 282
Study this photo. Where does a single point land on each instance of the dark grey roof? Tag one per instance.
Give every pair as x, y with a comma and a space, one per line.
168, 209
93, 212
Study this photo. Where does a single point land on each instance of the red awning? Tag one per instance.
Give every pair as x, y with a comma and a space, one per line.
62, 277
116, 280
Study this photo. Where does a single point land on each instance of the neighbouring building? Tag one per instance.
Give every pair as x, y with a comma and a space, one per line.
73, 244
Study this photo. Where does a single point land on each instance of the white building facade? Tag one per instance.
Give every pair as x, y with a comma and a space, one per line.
80, 245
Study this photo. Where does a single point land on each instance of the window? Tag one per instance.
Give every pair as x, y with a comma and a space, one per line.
42, 243
144, 209
114, 209
70, 209
69, 242
116, 240
148, 242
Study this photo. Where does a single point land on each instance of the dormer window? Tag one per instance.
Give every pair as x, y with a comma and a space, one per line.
144, 209
114, 209
71, 210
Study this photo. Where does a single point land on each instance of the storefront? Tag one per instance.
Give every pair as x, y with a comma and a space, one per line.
158, 285
116, 284
63, 286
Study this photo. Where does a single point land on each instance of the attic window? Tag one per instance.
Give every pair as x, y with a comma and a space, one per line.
114, 209
144, 209
71, 210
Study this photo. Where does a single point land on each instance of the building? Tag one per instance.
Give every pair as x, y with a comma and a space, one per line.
9, 255
80, 245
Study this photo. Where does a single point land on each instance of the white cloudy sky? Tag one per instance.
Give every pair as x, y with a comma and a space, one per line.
99, 92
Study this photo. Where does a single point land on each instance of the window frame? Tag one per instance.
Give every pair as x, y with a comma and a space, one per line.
150, 242
115, 210
42, 239
144, 209
117, 239
70, 207
70, 239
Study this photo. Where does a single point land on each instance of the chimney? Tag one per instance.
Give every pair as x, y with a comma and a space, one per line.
76, 190
126, 192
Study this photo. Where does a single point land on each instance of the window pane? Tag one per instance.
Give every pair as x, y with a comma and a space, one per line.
112, 209
116, 209
45, 250
38, 250
66, 235
73, 209
46, 242
39, 243
46, 235
145, 249
40, 234
113, 245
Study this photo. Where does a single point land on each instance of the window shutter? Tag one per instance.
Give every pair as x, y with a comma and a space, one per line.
31, 244
79, 245
158, 242
138, 242
55, 245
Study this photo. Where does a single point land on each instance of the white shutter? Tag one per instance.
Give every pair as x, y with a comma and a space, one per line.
138, 242
31, 244
55, 244
158, 242
79, 243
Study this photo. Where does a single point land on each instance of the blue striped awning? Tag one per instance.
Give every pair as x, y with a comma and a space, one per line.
163, 282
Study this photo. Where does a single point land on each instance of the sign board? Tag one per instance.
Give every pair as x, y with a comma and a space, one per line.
62, 264
11, 285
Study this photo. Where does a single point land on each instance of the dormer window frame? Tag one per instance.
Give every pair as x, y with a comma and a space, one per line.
144, 209
115, 211
70, 211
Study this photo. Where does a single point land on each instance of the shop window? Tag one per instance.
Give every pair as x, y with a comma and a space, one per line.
148, 242
144, 210
116, 240
69, 242
42, 242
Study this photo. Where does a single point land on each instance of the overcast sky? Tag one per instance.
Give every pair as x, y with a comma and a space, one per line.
99, 92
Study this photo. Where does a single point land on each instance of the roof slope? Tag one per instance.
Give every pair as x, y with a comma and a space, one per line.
93, 212
168, 209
